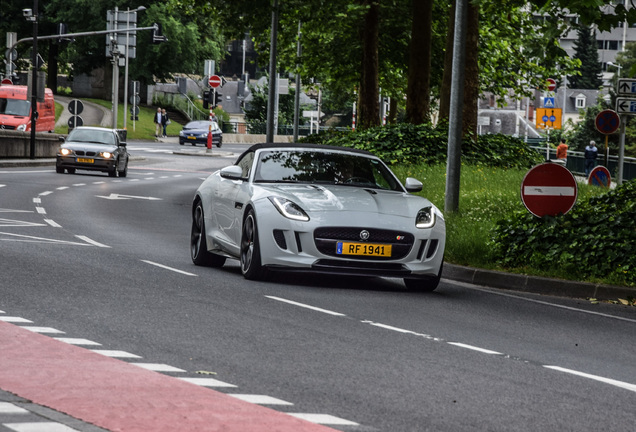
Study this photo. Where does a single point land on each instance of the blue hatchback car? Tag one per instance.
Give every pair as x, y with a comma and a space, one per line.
196, 132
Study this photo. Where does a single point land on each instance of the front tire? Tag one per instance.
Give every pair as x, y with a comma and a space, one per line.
113, 172
424, 285
250, 250
199, 245
124, 173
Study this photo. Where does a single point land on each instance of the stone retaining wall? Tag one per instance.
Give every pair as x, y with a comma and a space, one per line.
16, 144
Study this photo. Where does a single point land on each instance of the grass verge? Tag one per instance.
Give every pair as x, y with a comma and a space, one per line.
487, 195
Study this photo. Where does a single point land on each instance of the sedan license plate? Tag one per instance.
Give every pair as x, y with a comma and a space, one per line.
191, 137
363, 249
85, 160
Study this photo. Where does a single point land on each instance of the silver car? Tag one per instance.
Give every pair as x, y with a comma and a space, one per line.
314, 208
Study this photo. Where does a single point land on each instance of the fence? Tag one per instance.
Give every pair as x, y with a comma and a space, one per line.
576, 162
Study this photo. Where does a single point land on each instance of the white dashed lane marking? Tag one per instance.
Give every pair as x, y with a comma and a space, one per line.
620, 384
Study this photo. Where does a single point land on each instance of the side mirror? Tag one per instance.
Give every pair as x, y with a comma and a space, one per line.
62, 138
413, 185
232, 172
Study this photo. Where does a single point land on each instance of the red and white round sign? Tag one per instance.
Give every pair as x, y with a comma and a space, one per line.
214, 81
548, 189
551, 84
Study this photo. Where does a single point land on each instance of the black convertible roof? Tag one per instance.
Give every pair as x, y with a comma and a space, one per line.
258, 146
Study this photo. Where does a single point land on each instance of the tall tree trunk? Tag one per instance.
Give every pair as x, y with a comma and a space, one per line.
471, 80
369, 108
418, 91
393, 108
445, 91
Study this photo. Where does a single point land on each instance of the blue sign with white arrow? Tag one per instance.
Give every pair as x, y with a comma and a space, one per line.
627, 86
625, 106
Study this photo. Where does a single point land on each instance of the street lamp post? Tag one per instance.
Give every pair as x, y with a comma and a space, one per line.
139, 9
617, 66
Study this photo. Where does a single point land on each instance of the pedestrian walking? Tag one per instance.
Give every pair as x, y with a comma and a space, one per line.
562, 152
591, 153
158, 123
165, 121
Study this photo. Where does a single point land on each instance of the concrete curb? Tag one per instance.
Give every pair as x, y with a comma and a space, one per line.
535, 284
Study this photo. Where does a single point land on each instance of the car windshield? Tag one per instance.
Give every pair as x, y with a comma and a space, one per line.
92, 136
323, 167
205, 125
15, 107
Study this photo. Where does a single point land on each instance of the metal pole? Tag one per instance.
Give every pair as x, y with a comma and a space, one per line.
621, 153
126, 69
115, 73
297, 95
271, 99
34, 80
456, 104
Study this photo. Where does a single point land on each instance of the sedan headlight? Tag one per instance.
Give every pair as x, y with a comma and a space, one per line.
65, 151
106, 155
426, 217
289, 209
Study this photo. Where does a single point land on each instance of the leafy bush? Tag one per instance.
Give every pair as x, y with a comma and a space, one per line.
407, 143
594, 240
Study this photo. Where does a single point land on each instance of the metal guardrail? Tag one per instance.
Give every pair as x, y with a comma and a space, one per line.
192, 112
576, 163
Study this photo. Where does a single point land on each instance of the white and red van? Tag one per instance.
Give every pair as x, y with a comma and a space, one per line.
15, 109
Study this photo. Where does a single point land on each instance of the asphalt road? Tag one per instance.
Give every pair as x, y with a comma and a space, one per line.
107, 260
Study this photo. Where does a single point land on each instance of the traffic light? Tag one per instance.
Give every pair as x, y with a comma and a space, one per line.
157, 37
207, 96
217, 99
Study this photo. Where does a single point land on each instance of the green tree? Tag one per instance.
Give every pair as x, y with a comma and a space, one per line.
586, 50
256, 108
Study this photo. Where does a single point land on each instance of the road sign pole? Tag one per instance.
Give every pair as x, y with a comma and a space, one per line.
621, 154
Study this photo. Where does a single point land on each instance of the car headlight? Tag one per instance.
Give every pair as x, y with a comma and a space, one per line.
106, 155
65, 151
289, 209
21, 127
426, 217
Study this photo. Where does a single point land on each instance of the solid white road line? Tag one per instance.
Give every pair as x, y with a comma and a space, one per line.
317, 309
168, 268
621, 384
260, 399
207, 382
93, 242
474, 348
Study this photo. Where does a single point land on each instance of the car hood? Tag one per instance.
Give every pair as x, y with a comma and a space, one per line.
89, 147
317, 198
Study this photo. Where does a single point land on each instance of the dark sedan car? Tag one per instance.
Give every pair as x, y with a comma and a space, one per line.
196, 132
93, 149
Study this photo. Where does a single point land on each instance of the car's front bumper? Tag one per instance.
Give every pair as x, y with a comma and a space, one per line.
74, 162
292, 245
216, 140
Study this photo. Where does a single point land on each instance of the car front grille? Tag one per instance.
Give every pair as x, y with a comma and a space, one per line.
327, 238
85, 153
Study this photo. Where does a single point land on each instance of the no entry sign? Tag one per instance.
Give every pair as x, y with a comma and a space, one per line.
214, 81
548, 189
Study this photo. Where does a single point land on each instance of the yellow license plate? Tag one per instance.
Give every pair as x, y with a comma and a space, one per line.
363, 249
85, 160
192, 137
